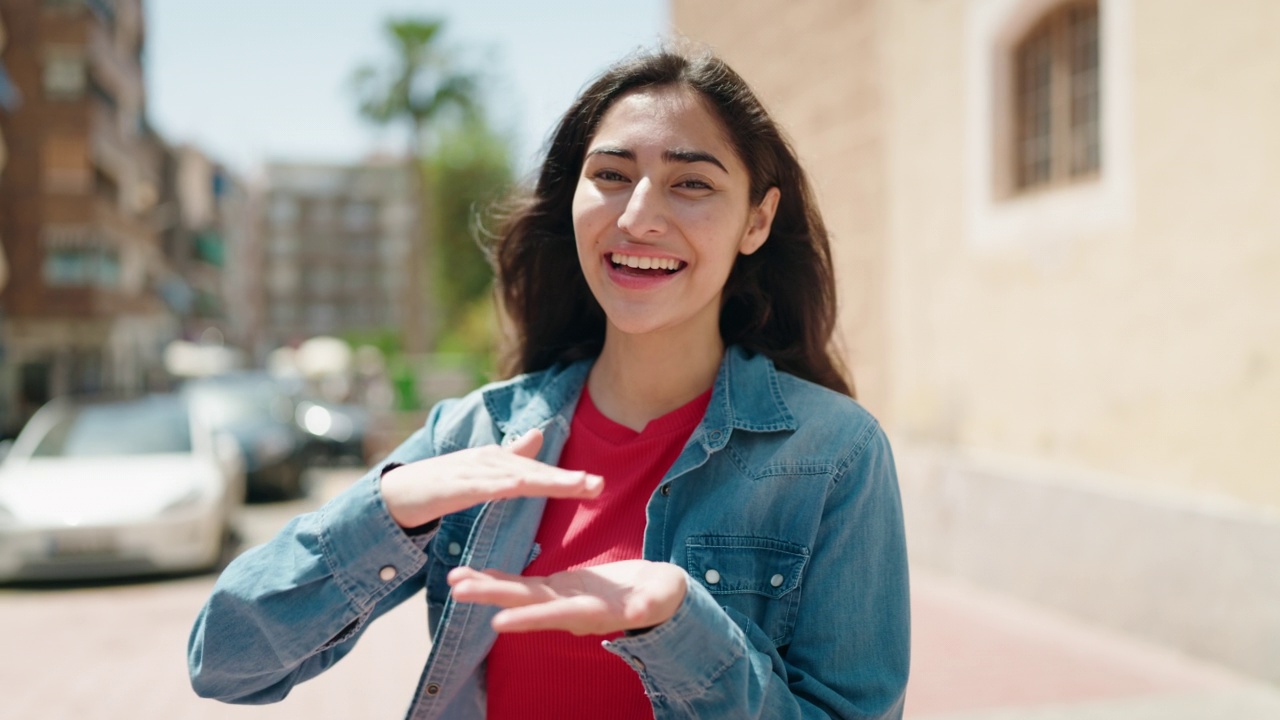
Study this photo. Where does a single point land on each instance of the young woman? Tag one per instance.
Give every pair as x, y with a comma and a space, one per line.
675, 511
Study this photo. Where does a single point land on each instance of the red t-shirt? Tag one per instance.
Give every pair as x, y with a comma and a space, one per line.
553, 675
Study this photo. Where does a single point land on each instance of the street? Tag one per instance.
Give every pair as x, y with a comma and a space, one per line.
118, 650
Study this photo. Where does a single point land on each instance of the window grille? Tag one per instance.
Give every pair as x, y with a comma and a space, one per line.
1057, 98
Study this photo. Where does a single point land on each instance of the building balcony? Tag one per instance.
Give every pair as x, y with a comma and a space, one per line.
110, 150
116, 70
118, 227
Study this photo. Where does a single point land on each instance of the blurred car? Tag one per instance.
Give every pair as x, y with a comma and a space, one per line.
335, 432
258, 411
124, 487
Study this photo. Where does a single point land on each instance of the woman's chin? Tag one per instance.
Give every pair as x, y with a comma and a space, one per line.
681, 333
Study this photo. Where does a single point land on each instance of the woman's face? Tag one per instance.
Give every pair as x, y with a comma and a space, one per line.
661, 211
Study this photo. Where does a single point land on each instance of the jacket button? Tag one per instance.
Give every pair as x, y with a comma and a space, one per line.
387, 573
666, 489
712, 576
433, 689
454, 548
776, 580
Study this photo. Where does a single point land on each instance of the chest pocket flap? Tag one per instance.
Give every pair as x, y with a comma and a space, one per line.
741, 564
759, 577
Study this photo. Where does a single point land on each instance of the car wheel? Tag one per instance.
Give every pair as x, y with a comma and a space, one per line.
291, 481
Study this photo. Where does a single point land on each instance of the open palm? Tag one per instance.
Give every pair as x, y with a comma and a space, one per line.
597, 600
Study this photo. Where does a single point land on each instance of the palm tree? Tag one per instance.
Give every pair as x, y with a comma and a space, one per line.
420, 86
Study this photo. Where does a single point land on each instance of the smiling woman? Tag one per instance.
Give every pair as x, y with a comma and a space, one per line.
675, 509
652, 192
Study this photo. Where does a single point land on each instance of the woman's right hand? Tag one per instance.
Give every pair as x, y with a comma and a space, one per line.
422, 491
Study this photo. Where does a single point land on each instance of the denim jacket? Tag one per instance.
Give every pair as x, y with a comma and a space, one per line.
783, 508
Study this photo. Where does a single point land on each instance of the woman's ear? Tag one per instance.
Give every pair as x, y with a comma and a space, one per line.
760, 222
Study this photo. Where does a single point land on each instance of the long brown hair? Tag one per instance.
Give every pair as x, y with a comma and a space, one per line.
779, 301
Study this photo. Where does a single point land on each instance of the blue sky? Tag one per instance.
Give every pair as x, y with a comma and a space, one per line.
250, 81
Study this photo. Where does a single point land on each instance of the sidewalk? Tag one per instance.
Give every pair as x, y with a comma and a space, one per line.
982, 656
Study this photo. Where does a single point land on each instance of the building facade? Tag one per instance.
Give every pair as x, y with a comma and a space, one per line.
334, 251
8, 103
1056, 247
77, 201
206, 235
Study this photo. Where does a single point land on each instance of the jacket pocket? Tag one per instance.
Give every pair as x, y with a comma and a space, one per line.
758, 577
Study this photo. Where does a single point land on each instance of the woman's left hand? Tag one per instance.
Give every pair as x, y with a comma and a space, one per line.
596, 600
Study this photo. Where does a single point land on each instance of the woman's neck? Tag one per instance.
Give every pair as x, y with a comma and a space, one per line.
638, 378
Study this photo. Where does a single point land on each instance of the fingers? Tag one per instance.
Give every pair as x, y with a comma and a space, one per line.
546, 480
580, 615
551, 482
418, 492
528, 444
492, 587
530, 603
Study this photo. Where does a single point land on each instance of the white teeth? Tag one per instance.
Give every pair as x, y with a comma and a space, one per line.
645, 263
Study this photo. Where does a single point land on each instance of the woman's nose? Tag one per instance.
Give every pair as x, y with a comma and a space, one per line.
645, 213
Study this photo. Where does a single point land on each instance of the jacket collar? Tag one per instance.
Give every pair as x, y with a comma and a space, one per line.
746, 396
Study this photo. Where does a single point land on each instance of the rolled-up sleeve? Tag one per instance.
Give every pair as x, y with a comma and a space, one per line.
285, 611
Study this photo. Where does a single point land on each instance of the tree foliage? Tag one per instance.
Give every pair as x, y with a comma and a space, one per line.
463, 167
420, 84
470, 170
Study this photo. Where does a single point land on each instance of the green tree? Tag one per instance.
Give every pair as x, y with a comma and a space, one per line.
421, 86
469, 172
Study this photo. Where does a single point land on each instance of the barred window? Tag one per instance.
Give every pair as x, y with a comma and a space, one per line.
64, 74
69, 267
1056, 95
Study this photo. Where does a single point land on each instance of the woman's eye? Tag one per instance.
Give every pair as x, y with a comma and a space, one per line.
610, 176
692, 184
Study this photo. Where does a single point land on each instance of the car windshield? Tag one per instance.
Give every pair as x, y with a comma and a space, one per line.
230, 403
137, 427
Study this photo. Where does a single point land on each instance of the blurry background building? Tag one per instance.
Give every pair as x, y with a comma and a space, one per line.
335, 243
8, 103
81, 182
207, 239
1055, 233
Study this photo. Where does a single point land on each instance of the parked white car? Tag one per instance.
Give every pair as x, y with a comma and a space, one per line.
123, 487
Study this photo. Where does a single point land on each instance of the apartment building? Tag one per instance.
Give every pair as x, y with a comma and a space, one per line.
334, 251
77, 206
8, 103
205, 234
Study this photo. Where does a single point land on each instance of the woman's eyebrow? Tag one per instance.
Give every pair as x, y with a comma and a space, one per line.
613, 152
675, 155
692, 156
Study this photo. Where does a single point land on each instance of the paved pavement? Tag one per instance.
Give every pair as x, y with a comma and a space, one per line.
107, 652
981, 656
118, 651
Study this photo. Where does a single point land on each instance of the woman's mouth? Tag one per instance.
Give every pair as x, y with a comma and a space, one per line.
645, 266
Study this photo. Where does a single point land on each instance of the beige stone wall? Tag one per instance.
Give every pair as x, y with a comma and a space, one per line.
1148, 348
1136, 339
816, 66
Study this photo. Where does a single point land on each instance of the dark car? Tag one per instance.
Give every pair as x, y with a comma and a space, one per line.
258, 411
335, 432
